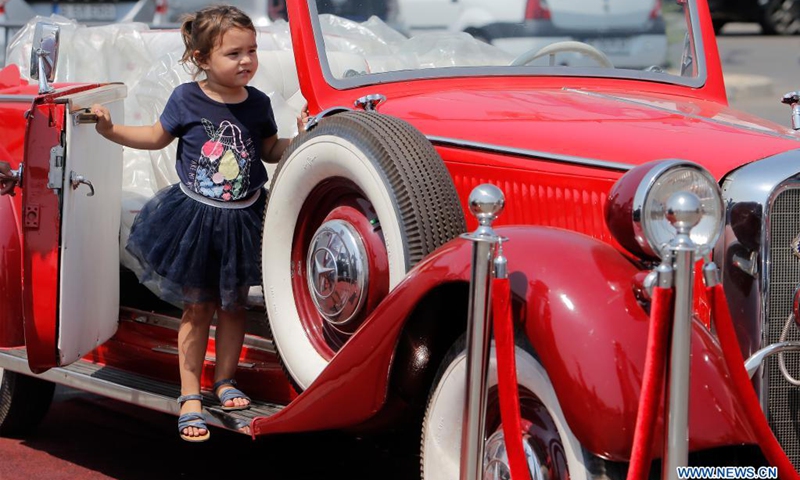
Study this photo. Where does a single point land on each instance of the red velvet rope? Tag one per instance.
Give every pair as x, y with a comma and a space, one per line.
652, 383
735, 363
507, 378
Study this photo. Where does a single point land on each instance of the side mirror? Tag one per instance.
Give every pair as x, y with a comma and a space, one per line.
44, 55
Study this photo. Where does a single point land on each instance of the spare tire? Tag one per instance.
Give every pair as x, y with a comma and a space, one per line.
353, 205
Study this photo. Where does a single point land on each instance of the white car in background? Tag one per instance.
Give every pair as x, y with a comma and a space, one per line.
630, 33
166, 13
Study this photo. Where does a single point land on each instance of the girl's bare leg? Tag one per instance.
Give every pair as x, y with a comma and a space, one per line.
192, 344
229, 339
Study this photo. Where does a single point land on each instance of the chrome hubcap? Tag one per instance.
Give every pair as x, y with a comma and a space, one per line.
337, 269
495, 459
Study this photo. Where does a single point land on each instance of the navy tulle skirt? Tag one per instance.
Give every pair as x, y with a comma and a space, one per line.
196, 252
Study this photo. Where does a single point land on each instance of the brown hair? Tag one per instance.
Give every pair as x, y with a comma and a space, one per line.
203, 30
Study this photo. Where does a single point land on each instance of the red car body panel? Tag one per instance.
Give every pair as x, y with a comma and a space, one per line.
574, 122
11, 331
41, 226
594, 356
12, 141
566, 115
139, 347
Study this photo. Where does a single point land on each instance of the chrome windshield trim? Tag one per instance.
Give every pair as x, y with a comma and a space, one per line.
760, 182
455, 72
535, 154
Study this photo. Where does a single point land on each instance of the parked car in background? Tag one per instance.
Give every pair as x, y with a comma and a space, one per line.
367, 287
89, 12
781, 17
153, 12
631, 33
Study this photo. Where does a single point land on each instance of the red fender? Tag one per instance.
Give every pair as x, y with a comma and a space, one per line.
355, 383
12, 333
581, 317
591, 334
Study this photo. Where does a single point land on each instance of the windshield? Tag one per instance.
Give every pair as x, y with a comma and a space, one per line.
366, 41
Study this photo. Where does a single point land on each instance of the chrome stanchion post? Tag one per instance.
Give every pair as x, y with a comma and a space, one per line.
485, 202
684, 211
43, 86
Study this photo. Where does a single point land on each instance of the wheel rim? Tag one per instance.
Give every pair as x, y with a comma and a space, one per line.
339, 263
495, 459
540, 440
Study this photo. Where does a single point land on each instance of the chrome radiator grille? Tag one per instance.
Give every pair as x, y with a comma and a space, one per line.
783, 277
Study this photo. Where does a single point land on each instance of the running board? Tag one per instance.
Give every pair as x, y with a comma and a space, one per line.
135, 389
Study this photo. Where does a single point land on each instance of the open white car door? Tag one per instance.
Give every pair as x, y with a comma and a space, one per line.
71, 263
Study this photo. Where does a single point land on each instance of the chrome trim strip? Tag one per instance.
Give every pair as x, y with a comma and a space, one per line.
92, 384
753, 363
17, 98
96, 385
759, 182
687, 115
535, 154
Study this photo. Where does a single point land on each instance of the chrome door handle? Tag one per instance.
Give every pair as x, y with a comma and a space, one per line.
84, 116
76, 181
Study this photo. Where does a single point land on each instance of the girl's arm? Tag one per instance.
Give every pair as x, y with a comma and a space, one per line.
152, 137
273, 147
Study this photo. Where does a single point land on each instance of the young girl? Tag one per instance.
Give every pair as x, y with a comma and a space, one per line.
201, 237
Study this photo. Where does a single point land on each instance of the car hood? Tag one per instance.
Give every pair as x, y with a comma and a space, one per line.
611, 126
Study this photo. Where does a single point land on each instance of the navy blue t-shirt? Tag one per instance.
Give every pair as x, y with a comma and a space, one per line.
219, 151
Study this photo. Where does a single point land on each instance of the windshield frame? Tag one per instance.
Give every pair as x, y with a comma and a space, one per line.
697, 81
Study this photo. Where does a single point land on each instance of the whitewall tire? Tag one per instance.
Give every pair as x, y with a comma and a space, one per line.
542, 418
353, 205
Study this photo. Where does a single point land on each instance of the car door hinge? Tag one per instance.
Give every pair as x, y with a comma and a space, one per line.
55, 178
370, 102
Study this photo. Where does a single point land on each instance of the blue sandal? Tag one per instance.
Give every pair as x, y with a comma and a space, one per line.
230, 394
192, 419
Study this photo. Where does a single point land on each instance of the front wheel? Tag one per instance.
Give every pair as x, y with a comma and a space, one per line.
551, 448
24, 401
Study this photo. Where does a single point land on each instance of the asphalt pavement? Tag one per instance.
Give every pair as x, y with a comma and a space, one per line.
759, 70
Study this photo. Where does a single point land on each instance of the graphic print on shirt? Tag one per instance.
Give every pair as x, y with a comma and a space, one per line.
223, 169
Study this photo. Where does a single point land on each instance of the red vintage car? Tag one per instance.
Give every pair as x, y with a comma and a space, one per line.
609, 176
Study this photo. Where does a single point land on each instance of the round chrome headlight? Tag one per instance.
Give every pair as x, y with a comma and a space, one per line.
636, 212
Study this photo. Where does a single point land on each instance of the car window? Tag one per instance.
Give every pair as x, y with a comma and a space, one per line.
596, 37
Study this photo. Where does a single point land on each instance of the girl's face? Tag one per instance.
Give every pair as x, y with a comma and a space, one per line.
233, 62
